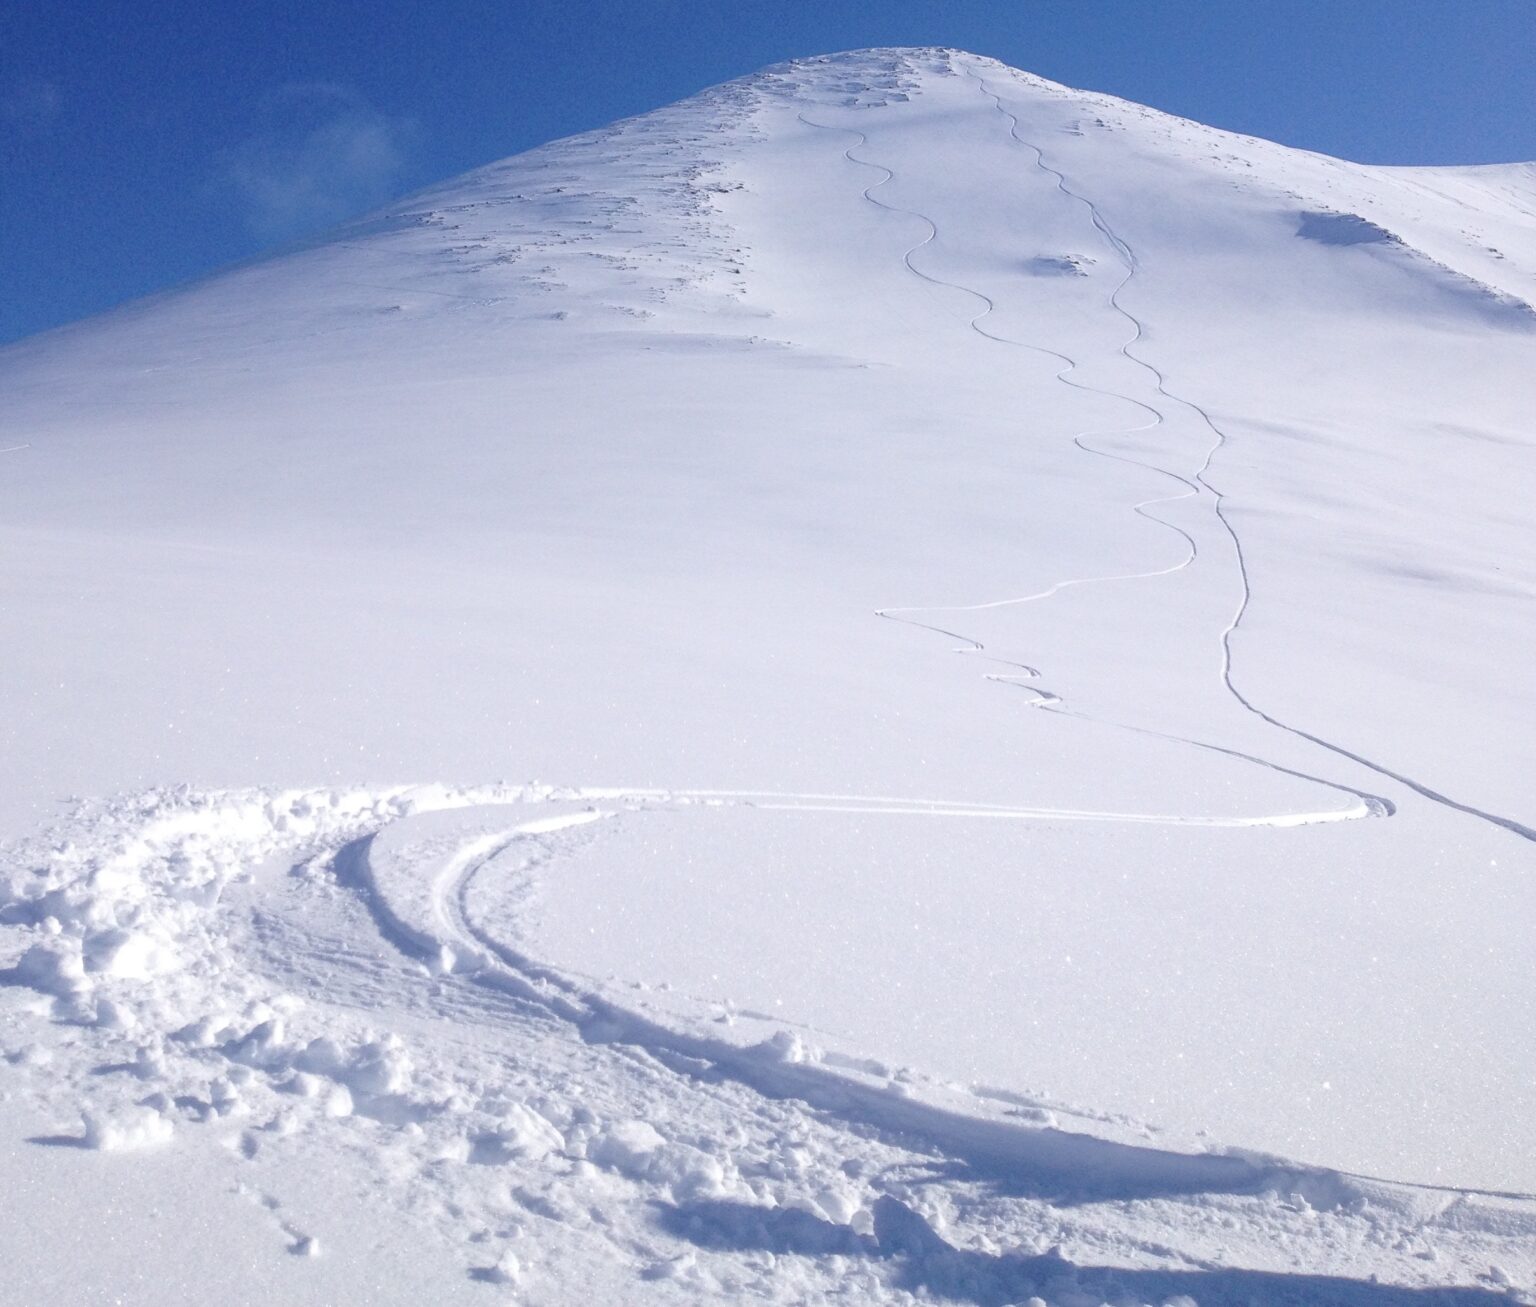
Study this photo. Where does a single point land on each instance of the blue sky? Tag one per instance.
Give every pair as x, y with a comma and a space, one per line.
144, 145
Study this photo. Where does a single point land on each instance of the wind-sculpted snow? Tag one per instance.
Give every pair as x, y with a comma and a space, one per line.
1025, 598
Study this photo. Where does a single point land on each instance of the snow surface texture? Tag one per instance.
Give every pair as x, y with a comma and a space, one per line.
1023, 598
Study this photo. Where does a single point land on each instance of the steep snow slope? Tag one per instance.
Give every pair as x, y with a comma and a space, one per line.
1021, 602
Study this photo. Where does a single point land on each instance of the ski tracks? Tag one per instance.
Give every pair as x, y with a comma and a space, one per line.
471, 1073
1201, 477
1068, 365
974, 1125
1192, 486
762, 1054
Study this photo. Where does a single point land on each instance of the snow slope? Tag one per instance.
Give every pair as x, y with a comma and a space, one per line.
892, 680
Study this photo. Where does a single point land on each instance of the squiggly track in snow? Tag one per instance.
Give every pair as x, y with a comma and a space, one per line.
1367, 805
1127, 256
1068, 366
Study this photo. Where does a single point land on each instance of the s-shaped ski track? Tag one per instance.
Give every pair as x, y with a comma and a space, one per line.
1366, 804
1127, 256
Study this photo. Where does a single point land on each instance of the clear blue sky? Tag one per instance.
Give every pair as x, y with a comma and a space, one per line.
144, 144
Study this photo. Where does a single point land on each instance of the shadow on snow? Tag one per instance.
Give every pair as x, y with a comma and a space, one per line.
921, 1261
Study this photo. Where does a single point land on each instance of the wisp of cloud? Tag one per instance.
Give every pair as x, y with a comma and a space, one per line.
322, 155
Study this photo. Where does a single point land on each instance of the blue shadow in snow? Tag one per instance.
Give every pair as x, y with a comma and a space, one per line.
922, 1262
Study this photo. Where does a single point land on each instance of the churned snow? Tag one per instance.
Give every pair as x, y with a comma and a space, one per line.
1014, 604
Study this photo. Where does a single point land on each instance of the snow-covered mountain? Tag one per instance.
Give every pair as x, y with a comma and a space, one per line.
892, 680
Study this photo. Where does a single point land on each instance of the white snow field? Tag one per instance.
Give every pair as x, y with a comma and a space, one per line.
895, 683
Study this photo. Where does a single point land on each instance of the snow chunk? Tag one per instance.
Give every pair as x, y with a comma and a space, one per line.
53, 966
635, 1149
507, 1270
688, 1173
787, 1047
112, 1015
322, 1056
379, 1068
521, 1135
628, 1147
128, 955
126, 1131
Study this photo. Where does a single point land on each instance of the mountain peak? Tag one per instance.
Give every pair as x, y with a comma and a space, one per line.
877, 75
1004, 587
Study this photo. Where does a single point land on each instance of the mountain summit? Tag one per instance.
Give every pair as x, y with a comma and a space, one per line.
890, 584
